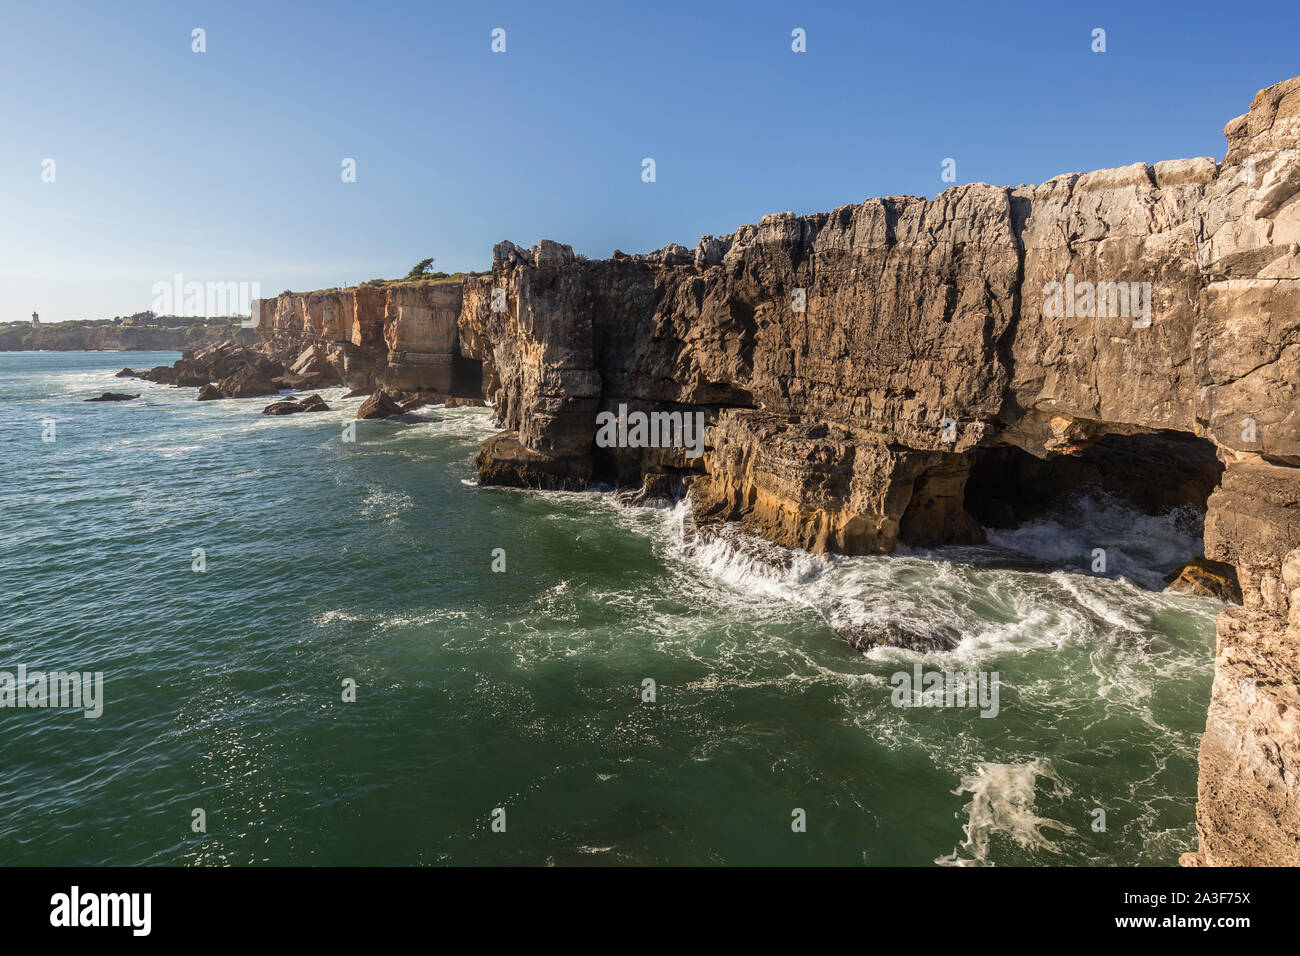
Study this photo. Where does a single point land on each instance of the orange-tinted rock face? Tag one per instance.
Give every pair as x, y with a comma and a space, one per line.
369, 310
420, 331
402, 335
422, 317
336, 317
311, 314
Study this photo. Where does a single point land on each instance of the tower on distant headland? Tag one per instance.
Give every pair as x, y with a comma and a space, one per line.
36, 321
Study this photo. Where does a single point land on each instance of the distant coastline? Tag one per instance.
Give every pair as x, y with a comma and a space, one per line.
157, 334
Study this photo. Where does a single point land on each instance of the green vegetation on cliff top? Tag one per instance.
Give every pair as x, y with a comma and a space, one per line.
420, 272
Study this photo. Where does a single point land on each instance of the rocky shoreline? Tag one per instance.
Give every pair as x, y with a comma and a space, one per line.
908, 371
231, 370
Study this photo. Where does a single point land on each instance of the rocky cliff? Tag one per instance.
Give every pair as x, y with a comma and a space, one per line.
402, 336
912, 370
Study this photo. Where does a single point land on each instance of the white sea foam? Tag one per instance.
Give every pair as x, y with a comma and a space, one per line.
1137, 546
1003, 803
985, 595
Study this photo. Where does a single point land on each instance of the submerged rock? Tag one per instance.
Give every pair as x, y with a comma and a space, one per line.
866, 637
111, 397
418, 401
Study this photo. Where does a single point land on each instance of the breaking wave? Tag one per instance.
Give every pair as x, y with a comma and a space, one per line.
1023, 591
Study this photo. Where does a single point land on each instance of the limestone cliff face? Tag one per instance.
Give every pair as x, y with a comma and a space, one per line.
402, 335
866, 372
1248, 806
1248, 378
1107, 228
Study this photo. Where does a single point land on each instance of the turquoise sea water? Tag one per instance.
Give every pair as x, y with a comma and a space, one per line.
329, 561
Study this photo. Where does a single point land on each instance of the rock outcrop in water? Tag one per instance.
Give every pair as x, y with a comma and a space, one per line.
289, 406
379, 405
1206, 578
906, 370
111, 397
231, 370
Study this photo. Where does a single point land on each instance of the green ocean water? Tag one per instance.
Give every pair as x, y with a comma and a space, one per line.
329, 561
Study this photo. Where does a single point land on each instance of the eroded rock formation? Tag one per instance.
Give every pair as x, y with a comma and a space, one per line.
379, 405
402, 336
238, 371
856, 366
908, 370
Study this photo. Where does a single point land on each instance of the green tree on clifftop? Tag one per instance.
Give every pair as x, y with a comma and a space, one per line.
420, 268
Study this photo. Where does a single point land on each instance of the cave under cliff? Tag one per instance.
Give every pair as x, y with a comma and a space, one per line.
959, 497
1155, 472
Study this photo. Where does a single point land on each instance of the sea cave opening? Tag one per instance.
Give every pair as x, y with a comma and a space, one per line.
1154, 472
466, 376
1110, 484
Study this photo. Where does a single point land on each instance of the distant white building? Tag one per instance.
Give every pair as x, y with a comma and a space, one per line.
36, 321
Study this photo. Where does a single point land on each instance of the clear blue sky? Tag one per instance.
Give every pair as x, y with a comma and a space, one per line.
225, 165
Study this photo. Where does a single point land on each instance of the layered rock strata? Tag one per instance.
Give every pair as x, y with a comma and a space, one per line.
400, 336
856, 368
